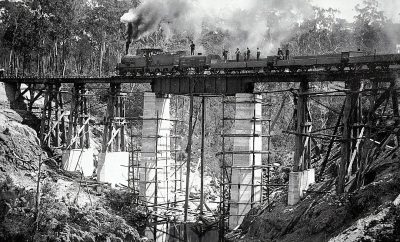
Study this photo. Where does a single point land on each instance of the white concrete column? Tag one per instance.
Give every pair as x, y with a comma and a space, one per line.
248, 130
112, 167
299, 182
7, 94
155, 172
79, 160
155, 157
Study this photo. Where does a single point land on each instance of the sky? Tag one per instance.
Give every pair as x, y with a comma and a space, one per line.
347, 7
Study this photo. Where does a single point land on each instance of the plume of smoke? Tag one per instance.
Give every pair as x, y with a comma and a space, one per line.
245, 23
147, 17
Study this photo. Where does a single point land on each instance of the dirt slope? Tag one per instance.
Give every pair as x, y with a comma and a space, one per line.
371, 213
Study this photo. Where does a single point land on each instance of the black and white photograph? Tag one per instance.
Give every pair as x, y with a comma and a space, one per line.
199, 121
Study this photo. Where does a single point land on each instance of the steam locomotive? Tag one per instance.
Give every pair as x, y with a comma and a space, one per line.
155, 61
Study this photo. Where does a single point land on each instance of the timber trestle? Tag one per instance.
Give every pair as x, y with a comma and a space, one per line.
142, 150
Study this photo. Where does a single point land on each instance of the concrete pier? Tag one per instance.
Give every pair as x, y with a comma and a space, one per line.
155, 174
299, 182
113, 168
247, 148
78, 160
155, 149
7, 93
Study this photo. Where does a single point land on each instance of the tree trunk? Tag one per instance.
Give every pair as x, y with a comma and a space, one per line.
102, 48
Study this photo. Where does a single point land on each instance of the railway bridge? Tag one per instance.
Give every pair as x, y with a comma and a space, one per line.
153, 169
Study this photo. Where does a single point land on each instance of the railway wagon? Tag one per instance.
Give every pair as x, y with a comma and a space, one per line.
374, 61
258, 65
296, 64
228, 67
197, 63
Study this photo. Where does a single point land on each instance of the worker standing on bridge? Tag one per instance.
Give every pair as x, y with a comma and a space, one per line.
287, 53
225, 54
237, 54
280, 54
258, 53
192, 48
248, 53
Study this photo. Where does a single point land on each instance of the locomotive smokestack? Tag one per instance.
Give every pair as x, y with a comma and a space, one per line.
129, 32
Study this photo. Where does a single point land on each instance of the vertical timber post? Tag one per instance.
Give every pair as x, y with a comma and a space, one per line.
78, 155
349, 118
114, 159
301, 129
302, 176
52, 127
203, 125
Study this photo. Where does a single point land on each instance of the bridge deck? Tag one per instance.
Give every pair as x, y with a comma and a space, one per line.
217, 83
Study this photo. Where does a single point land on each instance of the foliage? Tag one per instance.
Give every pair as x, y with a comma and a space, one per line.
323, 34
62, 37
369, 28
126, 205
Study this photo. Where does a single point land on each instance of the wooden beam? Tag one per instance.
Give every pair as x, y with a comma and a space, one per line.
350, 107
299, 158
331, 143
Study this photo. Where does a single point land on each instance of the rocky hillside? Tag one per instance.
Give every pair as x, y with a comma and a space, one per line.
371, 213
70, 208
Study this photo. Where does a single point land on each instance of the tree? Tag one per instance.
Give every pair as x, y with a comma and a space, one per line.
325, 33
369, 28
